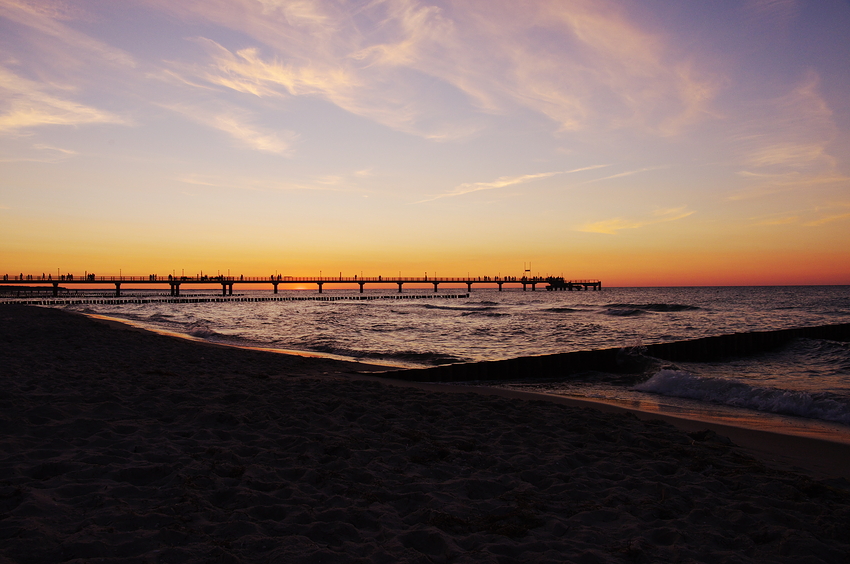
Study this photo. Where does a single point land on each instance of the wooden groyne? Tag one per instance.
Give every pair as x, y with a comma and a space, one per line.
631, 360
213, 299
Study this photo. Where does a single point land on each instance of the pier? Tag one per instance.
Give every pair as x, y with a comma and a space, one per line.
228, 282
557, 283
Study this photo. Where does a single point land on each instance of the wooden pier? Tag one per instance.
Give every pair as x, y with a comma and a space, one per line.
228, 282
558, 283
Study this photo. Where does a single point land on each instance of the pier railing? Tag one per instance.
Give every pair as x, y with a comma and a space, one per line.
204, 278
228, 281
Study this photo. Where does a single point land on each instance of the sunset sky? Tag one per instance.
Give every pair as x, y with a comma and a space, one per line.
652, 142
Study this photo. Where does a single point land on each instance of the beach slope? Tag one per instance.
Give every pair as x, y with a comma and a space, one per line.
125, 446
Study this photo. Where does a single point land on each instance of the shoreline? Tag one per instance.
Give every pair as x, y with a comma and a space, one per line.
122, 445
116, 322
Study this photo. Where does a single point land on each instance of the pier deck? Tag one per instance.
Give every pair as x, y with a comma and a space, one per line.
227, 282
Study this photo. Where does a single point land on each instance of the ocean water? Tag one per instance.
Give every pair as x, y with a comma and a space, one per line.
803, 388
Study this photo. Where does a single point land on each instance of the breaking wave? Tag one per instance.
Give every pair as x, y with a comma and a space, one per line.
467, 307
659, 308
202, 330
624, 312
677, 383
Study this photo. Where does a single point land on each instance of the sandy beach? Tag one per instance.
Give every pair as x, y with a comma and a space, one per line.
120, 445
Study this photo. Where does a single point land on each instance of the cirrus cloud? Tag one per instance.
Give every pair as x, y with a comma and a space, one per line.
614, 225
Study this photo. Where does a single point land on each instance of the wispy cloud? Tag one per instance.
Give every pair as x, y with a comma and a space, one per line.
43, 154
785, 220
279, 143
25, 104
624, 174
419, 65
503, 181
785, 147
789, 133
241, 183
770, 184
827, 214
43, 147
778, 13
237, 124
45, 18
828, 219
327, 183
614, 225
812, 216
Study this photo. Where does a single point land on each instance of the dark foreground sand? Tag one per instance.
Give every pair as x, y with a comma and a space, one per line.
124, 446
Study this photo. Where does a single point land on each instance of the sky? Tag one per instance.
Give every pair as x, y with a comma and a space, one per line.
643, 143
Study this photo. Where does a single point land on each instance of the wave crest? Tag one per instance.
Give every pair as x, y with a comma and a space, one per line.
658, 308
678, 383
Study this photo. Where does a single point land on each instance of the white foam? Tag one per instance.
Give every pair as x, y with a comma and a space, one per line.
678, 383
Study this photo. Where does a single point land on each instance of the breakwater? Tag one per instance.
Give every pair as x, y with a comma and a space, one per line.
198, 300
628, 360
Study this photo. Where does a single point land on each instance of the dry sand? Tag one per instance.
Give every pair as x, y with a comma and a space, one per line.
125, 446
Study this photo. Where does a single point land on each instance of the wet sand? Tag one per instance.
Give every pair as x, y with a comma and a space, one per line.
123, 445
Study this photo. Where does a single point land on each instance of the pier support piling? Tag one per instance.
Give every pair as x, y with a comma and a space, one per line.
361, 286
399, 287
320, 286
55, 289
117, 289
435, 286
275, 287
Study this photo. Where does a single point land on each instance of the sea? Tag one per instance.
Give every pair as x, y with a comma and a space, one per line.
802, 388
